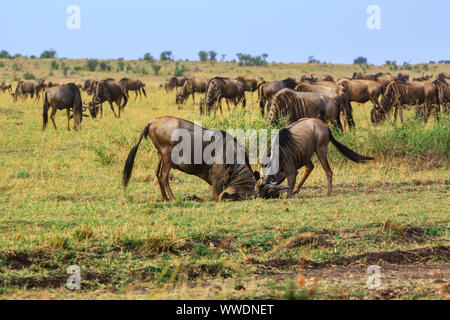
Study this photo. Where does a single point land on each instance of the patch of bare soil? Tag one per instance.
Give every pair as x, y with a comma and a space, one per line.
23, 260
396, 257
89, 279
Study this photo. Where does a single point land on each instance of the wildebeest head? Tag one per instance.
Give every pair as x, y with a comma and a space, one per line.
99, 92
92, 107
377, 115
14, 97
270, 185
180, 98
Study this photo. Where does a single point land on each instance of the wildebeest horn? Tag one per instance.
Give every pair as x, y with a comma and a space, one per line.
273, 190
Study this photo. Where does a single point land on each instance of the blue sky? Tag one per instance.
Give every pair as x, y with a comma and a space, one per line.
288, 30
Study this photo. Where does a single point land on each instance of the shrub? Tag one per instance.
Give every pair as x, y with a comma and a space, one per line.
156, 68
16, 67
54, 65
29, 76
91, 65
49, 54
2, 64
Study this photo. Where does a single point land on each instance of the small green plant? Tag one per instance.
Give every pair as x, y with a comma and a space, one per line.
92, 64
29, 76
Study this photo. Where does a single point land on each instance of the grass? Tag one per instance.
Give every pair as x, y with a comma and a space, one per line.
62, 204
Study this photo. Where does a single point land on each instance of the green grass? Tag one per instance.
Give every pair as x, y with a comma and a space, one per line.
62, 203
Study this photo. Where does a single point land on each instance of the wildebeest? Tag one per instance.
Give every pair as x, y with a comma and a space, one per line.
398, 94
190, 87
27, 88
88, 86
47, 84
382, 78
290, 105
311, 78
67, 97
336, 93
6, 86
267, 90
175, 83
424, 77
362, 91
402, 77
297, 144
229, 180
133, 85
443, 87
110, 91
219, 88
250, 84
445, 75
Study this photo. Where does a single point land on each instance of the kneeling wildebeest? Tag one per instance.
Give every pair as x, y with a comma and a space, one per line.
110, 91
133, 85
297, 144
190, 87
219, 88
63, 97
292, 106
229, 180
267, 90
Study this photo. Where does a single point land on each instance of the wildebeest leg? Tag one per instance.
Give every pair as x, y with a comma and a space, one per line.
112, 108
53, 117
161, 185
165, 171
322, 155
395, 114
68, 119
291, 178
118, 105
137, 94
308, 169
401, 114
193, 97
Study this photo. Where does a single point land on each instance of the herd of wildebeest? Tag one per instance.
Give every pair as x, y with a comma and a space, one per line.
305, 108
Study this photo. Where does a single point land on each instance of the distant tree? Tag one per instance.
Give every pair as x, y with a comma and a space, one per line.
120, 65
5, 55
48, 54
212, 55
311, 59
203, 56
156, 68
166, 56
360, 60
129, 67
91, 65
66, 70
179, 70
105, 66
224, 56
54, 65
148, 57
248, 60
17, 55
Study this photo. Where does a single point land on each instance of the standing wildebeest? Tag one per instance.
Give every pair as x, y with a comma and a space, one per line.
443, 75
175, 83
110, 91
250, 84
297, 144
190, 87
229, 180
292, 106
133, 85
47, 84
219, 88
362, 91
88, 86
25, 88
398, 94
63, 97
6, 86
443, 87
267, 90
382, 78
402, 77
337, 94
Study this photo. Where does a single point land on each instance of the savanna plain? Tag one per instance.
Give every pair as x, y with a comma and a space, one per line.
62, 204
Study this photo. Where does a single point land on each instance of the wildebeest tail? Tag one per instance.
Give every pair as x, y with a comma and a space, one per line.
352, 155
45, 111
128, 169
143, 90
